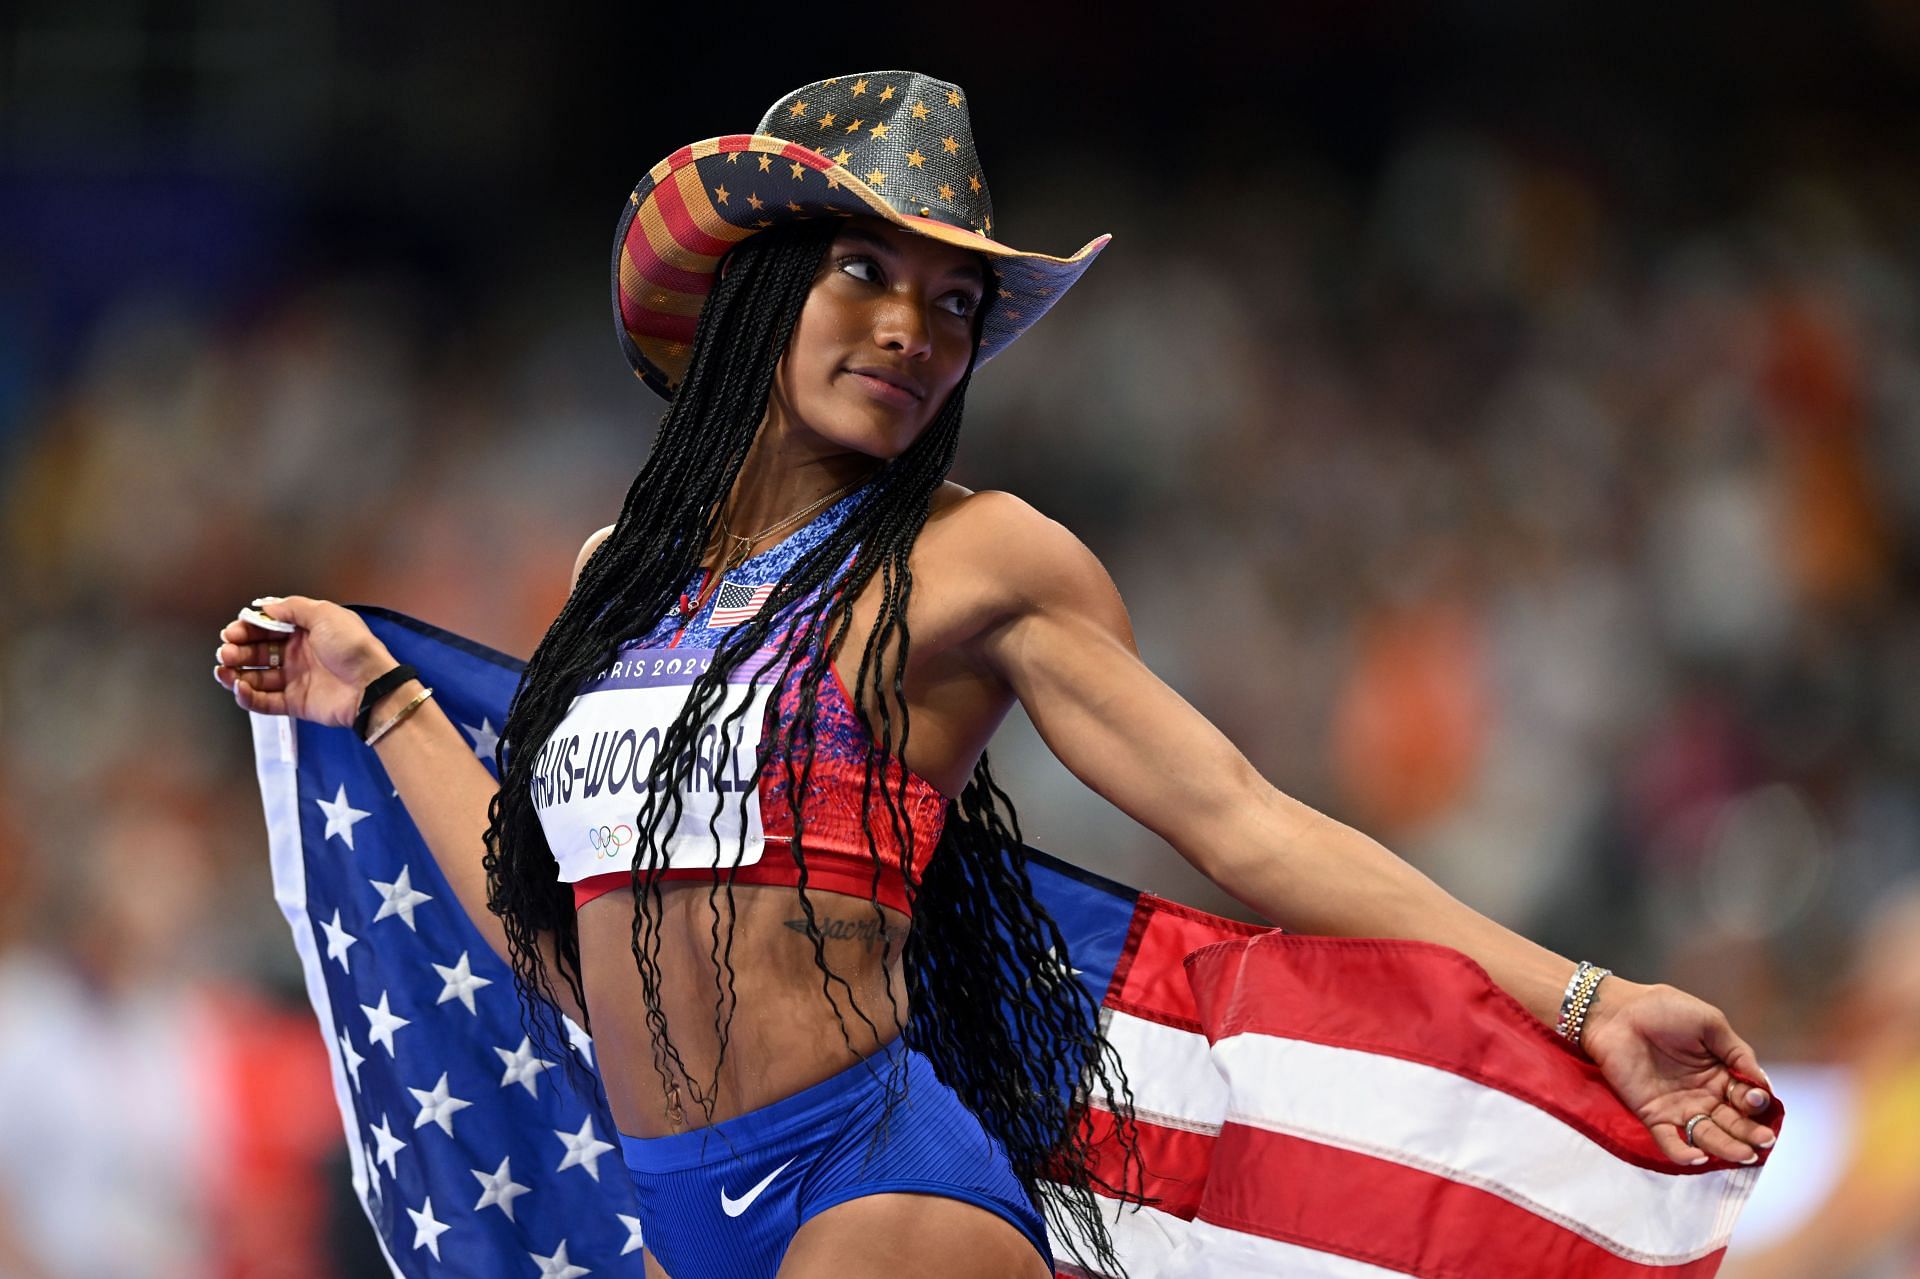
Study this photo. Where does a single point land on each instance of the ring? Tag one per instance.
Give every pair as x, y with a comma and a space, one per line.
1732, 1084
273, 657
1690, 1123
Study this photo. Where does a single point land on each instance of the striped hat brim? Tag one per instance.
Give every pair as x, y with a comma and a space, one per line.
699, 202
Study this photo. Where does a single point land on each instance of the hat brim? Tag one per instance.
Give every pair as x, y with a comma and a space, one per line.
699, 202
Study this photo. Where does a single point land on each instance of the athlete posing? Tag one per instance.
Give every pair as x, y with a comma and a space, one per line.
794, 526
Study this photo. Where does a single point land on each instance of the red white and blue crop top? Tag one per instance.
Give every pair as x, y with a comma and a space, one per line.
589, 771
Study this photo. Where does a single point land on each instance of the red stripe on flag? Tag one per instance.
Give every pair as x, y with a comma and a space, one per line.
1390, 1215
1304, 987
680, 222
1149, 980
1173, 1161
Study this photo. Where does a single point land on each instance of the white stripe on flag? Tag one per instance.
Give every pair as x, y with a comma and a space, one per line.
1219, 1253
1170, 1071
1442, 1123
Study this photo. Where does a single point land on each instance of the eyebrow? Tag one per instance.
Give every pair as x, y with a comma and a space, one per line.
973, 270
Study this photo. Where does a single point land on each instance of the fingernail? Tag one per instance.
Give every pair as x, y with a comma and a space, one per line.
1765, 1145
1757, 1099
216, 676
1750, 1160
1697, 1160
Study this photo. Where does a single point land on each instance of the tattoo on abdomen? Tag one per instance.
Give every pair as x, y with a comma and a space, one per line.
868, 932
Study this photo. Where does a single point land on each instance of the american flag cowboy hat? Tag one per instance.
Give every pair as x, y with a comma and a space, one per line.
892, 144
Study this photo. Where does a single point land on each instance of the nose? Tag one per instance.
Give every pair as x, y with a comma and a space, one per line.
900, 323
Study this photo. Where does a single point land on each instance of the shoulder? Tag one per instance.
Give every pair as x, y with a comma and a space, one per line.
586, 551
1018, 557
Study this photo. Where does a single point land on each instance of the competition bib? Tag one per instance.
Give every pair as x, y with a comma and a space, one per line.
590, 779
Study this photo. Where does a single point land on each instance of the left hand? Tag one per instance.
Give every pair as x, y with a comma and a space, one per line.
1670, 1057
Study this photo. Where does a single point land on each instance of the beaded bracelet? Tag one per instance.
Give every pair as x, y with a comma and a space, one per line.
1578, 999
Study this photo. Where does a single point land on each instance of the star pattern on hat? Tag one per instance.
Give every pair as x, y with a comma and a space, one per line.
799, 170
754, 200
915, 159
855, 126
766, 162
797, 110
886, 93
826, 119
720, 193
919, 110
950, 144
859, 87
879, 130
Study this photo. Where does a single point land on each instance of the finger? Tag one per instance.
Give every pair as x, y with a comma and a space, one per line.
1721, 1144
1738, 1126
1667, 1137
264, 655
266, 701
1740, 1060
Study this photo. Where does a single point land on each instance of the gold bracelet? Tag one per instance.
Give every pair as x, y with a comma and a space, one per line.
399, 715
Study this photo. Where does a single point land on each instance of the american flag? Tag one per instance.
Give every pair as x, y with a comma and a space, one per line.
1308, 1106
734, 603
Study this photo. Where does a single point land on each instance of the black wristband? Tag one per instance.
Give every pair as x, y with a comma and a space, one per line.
377, 690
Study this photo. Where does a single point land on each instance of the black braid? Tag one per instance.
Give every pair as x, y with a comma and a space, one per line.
975, 919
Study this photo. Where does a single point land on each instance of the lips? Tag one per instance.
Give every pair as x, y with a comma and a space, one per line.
892, 377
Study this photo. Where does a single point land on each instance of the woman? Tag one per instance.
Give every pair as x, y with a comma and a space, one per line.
800, 868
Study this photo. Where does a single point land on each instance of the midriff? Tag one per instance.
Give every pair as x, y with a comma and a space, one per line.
783, 1034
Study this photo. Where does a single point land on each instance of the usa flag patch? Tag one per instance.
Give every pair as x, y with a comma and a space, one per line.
735, 603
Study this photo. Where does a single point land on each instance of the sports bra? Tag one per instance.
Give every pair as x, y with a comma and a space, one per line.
590, 770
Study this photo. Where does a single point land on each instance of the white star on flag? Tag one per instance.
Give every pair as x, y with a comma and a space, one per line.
390, 1145
460, 982
498, 1189
483, 738
338, 939
381, 1024
399, 897
582, 1042
437, 1105
341, 815
634, 1242
523, 1067
373, 1183
557, 1266
583, 1148
427, 1231
353, 1059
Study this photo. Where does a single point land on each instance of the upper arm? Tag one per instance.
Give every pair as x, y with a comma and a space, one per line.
1063, 643
586, 553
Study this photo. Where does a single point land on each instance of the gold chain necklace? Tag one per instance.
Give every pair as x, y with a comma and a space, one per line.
741, 549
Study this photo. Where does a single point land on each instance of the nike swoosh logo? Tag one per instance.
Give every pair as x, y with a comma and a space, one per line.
734, 1207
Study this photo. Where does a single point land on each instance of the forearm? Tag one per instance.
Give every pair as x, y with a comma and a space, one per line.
1310, 874
447, 791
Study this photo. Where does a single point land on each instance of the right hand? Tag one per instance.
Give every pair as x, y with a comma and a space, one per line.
324, 666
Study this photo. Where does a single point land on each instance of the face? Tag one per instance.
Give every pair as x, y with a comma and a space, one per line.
884, 337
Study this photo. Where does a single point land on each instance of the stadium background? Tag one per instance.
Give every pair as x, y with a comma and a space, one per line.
1503, 422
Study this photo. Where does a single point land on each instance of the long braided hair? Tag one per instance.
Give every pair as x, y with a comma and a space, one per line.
986, 967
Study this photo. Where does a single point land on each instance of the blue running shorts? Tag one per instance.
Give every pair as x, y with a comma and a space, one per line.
723, 1202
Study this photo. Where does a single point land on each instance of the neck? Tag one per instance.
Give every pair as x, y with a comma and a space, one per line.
782, 475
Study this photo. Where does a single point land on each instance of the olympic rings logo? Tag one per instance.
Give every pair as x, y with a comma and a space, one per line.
609, 841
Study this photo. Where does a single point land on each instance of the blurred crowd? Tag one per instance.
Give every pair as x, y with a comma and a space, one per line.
1572, 557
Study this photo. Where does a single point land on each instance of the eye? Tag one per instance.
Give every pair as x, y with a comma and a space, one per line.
850, 264
967, 303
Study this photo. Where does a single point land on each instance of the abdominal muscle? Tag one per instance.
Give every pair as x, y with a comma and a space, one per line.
782, 1032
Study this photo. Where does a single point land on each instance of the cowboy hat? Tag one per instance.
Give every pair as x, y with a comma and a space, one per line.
890, 144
